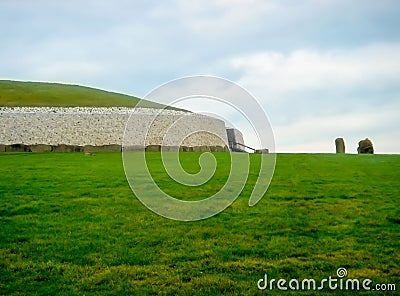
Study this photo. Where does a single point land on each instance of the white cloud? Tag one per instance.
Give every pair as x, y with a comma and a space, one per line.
313, 96
219, 17
275, 74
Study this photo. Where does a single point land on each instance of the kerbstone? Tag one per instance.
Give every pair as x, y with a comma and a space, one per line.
17, 148
153, 148
67, 148
41, 148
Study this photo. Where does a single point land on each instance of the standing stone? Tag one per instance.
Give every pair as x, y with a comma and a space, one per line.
340, 148
365, 147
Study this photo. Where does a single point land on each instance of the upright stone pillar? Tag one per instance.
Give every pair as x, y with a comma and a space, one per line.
340, 148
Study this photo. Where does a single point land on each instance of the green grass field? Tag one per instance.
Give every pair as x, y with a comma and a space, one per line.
70, 225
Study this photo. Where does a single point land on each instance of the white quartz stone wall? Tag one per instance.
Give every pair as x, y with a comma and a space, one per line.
104, 126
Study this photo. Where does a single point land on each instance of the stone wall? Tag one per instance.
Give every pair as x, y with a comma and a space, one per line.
105, 126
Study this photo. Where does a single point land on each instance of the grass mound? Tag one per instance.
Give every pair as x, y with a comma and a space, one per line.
39, 94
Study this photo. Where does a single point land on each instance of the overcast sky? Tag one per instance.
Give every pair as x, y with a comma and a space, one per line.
320, 69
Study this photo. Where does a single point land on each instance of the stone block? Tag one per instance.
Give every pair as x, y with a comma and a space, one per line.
186, 149
183, 148
201, 149
89, 149
170, 148
67, 148
217, 149
134, 148
111, 148
77, 148
262, 151
40, 148
153, 148
17, 148
102, 148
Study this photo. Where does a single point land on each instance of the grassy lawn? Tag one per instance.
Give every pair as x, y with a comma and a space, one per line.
71, 225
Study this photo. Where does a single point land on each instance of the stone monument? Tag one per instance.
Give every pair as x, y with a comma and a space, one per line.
365, 147
340, 147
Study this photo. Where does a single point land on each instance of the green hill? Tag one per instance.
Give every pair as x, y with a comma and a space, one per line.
40, 94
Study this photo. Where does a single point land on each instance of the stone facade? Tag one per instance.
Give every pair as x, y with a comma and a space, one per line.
66, 128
